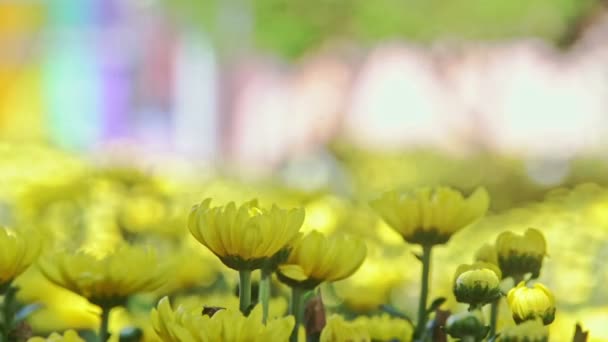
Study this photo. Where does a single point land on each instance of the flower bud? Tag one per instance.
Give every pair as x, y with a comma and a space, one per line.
531, 303
477, 284
521, 254
486, 253
467, 324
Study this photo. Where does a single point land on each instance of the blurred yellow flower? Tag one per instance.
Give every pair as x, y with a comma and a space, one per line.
376, 278
315, 259
19, 251
385, 328
107, 280
225, 325
531, 303
430, 216
477, 284
339, 330
486, 253
247, 236
529, 331
61, 309
190, 269
521, 254
68, 336
141, 212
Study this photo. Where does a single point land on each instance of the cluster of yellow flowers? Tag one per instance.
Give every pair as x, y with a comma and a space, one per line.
118, 255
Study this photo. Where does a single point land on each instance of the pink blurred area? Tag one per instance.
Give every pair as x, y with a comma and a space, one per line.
132, 76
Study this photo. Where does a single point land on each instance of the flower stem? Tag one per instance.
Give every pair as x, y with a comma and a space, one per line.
8, 312
295, 309
424, 291
103, 327
244, 290
264, 293
494, 316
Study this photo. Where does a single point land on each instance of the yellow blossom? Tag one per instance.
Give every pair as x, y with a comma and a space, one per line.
247, 236
376, 278
477, 284
430, 216
531, 303
277, 305
315, 259
182, 325
107, 280
521, 254
18, 250
385, 328
190, 269
529, 331
68, 336
339, 330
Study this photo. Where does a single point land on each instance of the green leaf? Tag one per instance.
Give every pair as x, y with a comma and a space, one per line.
394, 312
435, 304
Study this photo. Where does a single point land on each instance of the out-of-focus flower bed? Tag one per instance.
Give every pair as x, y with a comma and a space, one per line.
75, 205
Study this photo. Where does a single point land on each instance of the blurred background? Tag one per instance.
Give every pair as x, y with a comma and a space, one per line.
326, 103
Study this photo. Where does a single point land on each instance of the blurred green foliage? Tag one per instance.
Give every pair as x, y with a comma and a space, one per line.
292, 27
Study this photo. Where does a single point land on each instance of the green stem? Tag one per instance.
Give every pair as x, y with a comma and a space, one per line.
264, 293
295, 309
104, 334
8, 311
468, 339
424, 292
494, 316
244, 290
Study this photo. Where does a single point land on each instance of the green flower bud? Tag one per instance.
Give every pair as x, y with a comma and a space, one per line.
477, 284
467, 324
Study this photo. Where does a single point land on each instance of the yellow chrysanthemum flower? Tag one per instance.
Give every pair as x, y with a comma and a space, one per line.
315, 259
531, 303
385, 328
521, 254
19, 251
141, 212
245, 237
60, 309
339, 330
190, 269
477, 284
431, 216
68, 336
529, 331
376, 278
277, 305
225, 325
107, 280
